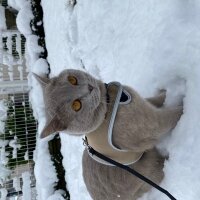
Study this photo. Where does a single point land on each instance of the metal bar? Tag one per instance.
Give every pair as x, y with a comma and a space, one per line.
13, 84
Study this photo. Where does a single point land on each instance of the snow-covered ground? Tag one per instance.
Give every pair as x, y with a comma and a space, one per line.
2, 18
148, 45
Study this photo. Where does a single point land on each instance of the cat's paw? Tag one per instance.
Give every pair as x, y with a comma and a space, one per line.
161, 97
158, 100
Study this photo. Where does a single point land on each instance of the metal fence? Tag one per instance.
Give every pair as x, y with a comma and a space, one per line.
17, 125
12, 63
4, 3
18, 140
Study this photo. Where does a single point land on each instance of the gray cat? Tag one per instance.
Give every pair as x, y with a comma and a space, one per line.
77, 102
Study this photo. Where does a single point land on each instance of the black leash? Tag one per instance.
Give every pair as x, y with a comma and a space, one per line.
130, 170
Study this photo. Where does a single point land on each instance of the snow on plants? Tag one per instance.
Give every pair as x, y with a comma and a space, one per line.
44, 169
3, 110
4, 193
26, 188
3, 154
43, 70
3, 116
17, 4
16, 184
26, 157
23, 19
2, 18
14, 144
33, 49
4, 172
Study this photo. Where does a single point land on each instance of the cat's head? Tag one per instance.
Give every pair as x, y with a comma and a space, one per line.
74, 101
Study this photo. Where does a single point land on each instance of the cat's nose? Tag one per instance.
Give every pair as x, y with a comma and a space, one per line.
90, 88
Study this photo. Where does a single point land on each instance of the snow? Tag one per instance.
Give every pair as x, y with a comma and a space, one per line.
57, 195
2, 18
26, 187
3, 143
17, 4
44, 171
23, 18
4, 173
3, 116
14, 144
16, 184
19, 47
33, 48
26, 157
7, 57
4, 193
3, 110
20, 69
148, 45
41, 67
3, 153
2, 127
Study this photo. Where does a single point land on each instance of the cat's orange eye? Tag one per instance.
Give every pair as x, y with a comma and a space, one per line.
76, 105
72, 80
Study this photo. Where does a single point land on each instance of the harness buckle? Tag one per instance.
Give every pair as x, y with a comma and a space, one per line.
85, 142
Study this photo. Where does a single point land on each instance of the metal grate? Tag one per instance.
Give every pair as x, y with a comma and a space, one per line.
12, 60
19, 137
4, 3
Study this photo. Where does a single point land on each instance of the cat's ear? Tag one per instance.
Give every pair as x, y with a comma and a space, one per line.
53, 126
42, 80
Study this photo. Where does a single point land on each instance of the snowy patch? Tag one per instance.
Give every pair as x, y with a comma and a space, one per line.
44, 171
14, 144
16, 184
4, 173
3, 110
26, 157
3, 115
3, 154
2, 18
4, 193
17, 4
41, 67
26, 188
23, 19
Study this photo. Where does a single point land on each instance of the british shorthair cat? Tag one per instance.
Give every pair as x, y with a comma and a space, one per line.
79, 103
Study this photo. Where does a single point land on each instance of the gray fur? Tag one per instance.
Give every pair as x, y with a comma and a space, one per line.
138, 126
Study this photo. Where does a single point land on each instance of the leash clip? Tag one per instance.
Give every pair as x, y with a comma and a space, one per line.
85, 142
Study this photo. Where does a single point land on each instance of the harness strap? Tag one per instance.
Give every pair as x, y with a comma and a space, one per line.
114, 113
128, 169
